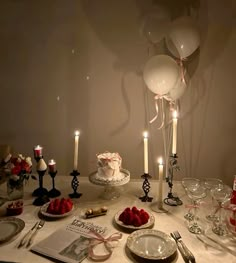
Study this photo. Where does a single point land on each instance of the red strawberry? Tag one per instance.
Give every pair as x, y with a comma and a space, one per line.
135, 210
144, 218
137, 221
127, 209
67, 206
122, 216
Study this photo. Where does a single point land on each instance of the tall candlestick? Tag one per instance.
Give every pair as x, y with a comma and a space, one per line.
52, 166
145, 142
76, 150
160, 182
174, 136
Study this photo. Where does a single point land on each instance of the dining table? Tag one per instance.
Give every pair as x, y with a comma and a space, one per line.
128, 195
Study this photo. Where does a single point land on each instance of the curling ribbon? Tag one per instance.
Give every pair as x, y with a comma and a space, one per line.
157, 97
182, 69
98, 239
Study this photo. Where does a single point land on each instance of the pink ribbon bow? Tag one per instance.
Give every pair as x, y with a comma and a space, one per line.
98, 239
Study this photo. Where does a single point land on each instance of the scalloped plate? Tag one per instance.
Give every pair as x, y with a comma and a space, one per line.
150, 222
151, 244
43, 211
9, 228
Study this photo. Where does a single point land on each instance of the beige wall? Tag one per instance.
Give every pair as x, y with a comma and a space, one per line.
69, 65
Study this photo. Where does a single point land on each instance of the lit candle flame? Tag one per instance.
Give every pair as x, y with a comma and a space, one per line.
145, 134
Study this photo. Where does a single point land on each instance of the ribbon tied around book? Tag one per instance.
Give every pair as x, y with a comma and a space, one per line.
109, 244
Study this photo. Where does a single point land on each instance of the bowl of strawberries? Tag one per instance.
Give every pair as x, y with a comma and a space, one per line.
134, 218
57, 208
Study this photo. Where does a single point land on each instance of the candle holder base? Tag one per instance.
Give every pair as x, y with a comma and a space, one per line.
172, 200
158, 208
75, 184
41, 200
54, 193
146, 188
40, 192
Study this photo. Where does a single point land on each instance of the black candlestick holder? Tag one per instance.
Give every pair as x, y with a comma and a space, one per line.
146, 188
75, 184
53, 192
173, 166
41, 192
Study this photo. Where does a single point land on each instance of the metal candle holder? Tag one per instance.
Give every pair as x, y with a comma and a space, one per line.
146, 188
173, 166
75, 184
41, 192
53, 192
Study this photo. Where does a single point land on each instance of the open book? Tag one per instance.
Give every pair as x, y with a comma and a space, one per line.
71, 242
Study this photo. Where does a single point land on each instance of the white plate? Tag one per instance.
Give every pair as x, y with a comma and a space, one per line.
43, 211
9, 228
151, 244
150, 222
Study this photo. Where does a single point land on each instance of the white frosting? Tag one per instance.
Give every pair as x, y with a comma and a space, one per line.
41, 165
109, 165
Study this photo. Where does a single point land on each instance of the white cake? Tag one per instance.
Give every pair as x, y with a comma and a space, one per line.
109, 165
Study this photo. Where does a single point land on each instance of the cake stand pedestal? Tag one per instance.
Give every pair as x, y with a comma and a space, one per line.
110, 186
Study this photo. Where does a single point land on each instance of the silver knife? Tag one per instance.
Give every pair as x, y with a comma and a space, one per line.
23, 240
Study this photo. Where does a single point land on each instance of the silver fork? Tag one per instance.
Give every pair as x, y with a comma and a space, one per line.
185, 252
40, 225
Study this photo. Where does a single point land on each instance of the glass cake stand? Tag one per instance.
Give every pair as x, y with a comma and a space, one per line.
110, 186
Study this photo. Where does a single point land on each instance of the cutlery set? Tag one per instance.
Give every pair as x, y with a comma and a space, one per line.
185, 252
28, 238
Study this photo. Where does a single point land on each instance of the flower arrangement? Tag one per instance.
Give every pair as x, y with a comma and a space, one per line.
18, 169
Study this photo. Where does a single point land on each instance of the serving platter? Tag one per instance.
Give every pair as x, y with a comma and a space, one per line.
151, 244
9, 228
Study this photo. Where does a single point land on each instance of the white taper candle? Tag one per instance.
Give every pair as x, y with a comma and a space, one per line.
76, 150
174, 136
145, 142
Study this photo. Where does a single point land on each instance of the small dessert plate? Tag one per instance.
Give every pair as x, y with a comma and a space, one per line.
151, 244
150, 222
9, 228
43, 211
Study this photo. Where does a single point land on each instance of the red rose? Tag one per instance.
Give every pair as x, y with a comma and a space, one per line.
16, 169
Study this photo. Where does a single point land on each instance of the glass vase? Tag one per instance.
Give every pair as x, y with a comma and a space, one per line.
15, 189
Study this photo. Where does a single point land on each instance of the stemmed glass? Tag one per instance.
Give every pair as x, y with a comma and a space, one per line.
209, 184
189, 183
220, 194
196, 194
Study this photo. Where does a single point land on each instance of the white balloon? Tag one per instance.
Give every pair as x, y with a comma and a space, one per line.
161, 74
178, 91
156, 24
183, 37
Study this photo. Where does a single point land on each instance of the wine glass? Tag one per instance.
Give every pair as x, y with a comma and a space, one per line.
190, 183
221, 194
209, 184
196, 195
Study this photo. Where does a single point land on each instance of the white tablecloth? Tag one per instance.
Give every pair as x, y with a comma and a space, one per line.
166, 222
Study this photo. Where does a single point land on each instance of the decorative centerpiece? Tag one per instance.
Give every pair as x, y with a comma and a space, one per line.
109, 174
18, 170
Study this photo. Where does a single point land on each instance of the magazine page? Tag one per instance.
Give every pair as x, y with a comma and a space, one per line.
70, 243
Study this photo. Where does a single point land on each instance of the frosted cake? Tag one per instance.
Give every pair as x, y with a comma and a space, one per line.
109, 165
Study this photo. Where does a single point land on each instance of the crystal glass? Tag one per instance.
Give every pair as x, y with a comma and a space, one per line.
189, 183
209, 184
221, 194
196, 195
